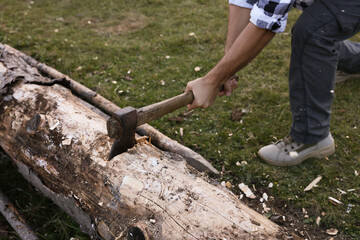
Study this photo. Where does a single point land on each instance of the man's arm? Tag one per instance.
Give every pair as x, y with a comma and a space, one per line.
239, 18
245, 48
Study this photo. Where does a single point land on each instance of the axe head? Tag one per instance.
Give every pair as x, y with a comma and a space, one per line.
122, 126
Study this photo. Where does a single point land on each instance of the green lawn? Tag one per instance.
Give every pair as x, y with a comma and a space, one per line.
139, 52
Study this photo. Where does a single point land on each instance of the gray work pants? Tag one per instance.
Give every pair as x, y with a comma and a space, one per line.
319, 48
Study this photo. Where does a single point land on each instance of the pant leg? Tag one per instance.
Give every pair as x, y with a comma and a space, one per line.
349, 59
314, 60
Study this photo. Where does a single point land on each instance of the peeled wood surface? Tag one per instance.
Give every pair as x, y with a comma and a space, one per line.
160, 140
143, 191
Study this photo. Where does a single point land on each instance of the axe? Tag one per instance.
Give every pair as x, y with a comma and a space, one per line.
122, 125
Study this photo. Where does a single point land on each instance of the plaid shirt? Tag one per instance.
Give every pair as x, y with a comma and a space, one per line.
271, 14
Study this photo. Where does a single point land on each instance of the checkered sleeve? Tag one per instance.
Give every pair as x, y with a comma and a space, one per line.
268, 14
243, 3
271, 15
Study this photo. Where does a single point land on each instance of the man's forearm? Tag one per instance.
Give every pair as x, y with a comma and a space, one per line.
238, 20
245, 48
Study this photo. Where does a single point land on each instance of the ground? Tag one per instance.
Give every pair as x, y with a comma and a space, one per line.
139, 52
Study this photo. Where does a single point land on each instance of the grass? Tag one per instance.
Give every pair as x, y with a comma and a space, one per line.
119, 49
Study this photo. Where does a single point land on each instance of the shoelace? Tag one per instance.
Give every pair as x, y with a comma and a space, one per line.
288, 141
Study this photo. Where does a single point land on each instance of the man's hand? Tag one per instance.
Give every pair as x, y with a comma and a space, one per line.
246, 46
229, 86
205, 91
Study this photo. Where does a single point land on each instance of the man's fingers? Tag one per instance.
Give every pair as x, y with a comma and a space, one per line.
227, 88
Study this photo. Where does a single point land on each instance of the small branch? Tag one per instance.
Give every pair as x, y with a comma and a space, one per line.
15, 219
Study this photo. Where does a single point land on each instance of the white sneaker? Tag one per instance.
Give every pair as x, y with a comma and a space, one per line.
343, 76
287, 152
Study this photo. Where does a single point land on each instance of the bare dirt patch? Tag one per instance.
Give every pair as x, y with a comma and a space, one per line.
131, 22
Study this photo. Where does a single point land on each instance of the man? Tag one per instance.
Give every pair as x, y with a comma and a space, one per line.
319, 48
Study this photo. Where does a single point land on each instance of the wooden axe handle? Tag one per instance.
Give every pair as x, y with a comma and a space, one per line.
157, 110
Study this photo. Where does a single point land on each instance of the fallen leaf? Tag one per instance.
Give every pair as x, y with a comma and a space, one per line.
128, 78
176, 119
236, 115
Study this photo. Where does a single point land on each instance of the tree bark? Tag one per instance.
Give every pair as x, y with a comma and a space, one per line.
160, 140
14, 218
61, 146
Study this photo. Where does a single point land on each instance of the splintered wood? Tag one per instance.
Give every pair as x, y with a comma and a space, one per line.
313, 184
61, 146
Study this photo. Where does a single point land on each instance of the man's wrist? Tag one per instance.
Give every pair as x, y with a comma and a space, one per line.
215, 78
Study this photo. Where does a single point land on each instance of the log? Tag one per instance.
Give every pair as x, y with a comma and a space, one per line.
15, 219
158, 139
60, 145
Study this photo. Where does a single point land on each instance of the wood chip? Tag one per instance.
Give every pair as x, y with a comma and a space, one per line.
334, 201
341, 191
318, 219
332, 231
265, 197
66, 142
313, 183
55, 125
246, 190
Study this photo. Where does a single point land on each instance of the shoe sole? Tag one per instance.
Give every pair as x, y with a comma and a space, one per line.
318, 154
